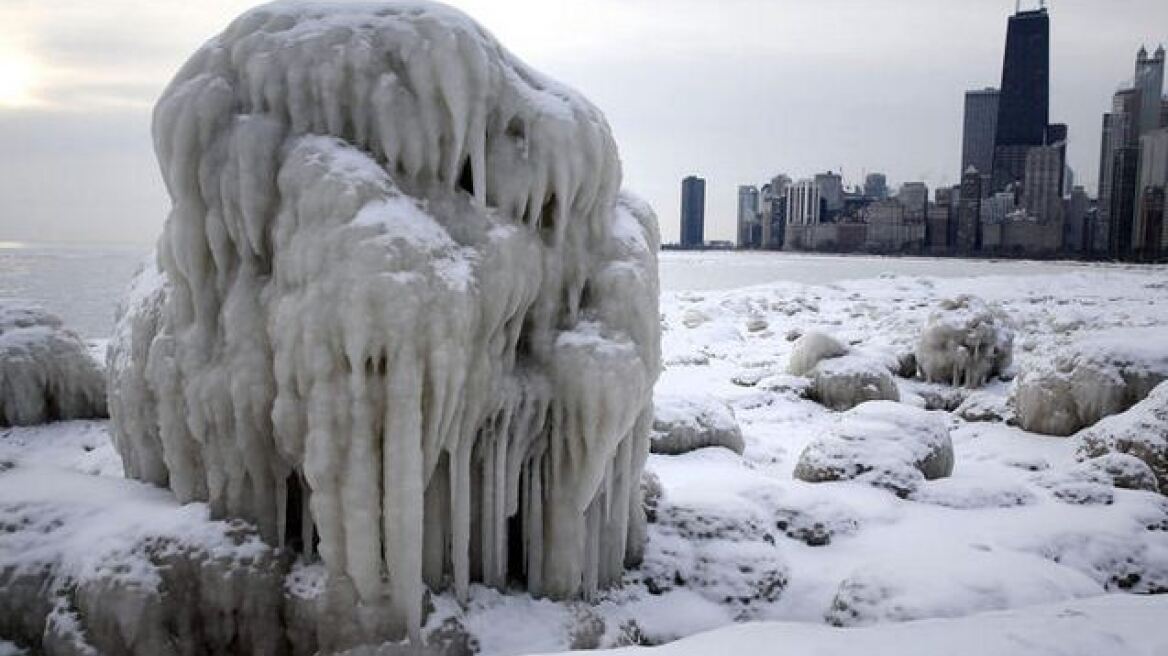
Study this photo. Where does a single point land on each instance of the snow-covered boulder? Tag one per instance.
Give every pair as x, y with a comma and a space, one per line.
410, 319
1141, 432
812, 348
840, 378
964, 343
1093, 378
983, 406
683, 423
849, 380
883, 443
46, 372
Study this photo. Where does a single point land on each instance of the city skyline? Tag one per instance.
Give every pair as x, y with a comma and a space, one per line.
802, 88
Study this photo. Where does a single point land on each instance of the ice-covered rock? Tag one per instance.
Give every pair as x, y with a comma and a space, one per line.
409, 321
849, 380
983, 406
1093, 378
810, 349
964, 343
968, 581
683, 423
1140, 432
46, 372
883, 443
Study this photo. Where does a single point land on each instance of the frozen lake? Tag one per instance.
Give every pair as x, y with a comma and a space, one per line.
83, 283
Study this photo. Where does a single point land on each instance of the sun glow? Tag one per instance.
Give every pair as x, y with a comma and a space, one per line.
17, 78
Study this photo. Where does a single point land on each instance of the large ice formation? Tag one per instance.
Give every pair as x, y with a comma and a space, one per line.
886, 444
964, 343
46, 372
1140, 432
405, 317
1097, 376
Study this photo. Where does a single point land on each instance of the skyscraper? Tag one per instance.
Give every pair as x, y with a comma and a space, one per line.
747, 215
1149, 79
979, 132
968, 233
693, 212
1024, 101
876, 185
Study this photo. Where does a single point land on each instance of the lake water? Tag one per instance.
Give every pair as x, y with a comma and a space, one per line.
83, 283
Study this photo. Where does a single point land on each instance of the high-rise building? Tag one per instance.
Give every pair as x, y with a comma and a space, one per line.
1042, 191
1135, 112
876, 186
977, 137
1149, 79
968, 233
1024, 101
914, 196
1075, 222
774, 211
747, 215
693, 212
831, 190
803, 203
1148, 233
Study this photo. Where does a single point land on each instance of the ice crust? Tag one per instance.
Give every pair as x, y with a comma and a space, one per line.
401, 307
964, 343
46, 372
1090, 379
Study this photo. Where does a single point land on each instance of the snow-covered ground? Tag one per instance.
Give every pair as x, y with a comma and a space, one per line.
1016, 552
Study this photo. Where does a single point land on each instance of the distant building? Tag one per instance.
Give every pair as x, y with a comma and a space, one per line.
748, 217
938, 233
1075, 226
1042, 191
1024, 100
803, 203
693, 212
1149, 79
773, 208
876, 186
831, 190
1149, 236
914, 196
979, 131
968, 233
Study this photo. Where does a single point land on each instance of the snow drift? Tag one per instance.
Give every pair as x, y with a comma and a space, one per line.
46, 373
1093, 378
405, 318
964, 343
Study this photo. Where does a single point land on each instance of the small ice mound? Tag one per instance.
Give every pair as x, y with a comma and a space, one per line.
964, 343
847, 381
982, 406
812, 348
694, 421
46, 372
1123, 471
1093, 378
969, 579
1141, 432
882, 443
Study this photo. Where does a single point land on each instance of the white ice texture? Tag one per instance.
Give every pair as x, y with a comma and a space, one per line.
964, 343
1092, 378
403, 308
46, 372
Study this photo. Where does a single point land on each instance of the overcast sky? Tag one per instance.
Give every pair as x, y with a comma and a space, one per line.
734, 90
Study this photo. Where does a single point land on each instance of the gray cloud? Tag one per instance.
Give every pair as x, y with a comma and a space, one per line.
735, 91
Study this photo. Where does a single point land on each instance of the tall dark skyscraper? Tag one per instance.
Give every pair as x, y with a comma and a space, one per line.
1024, 100
693, 212
979, 130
